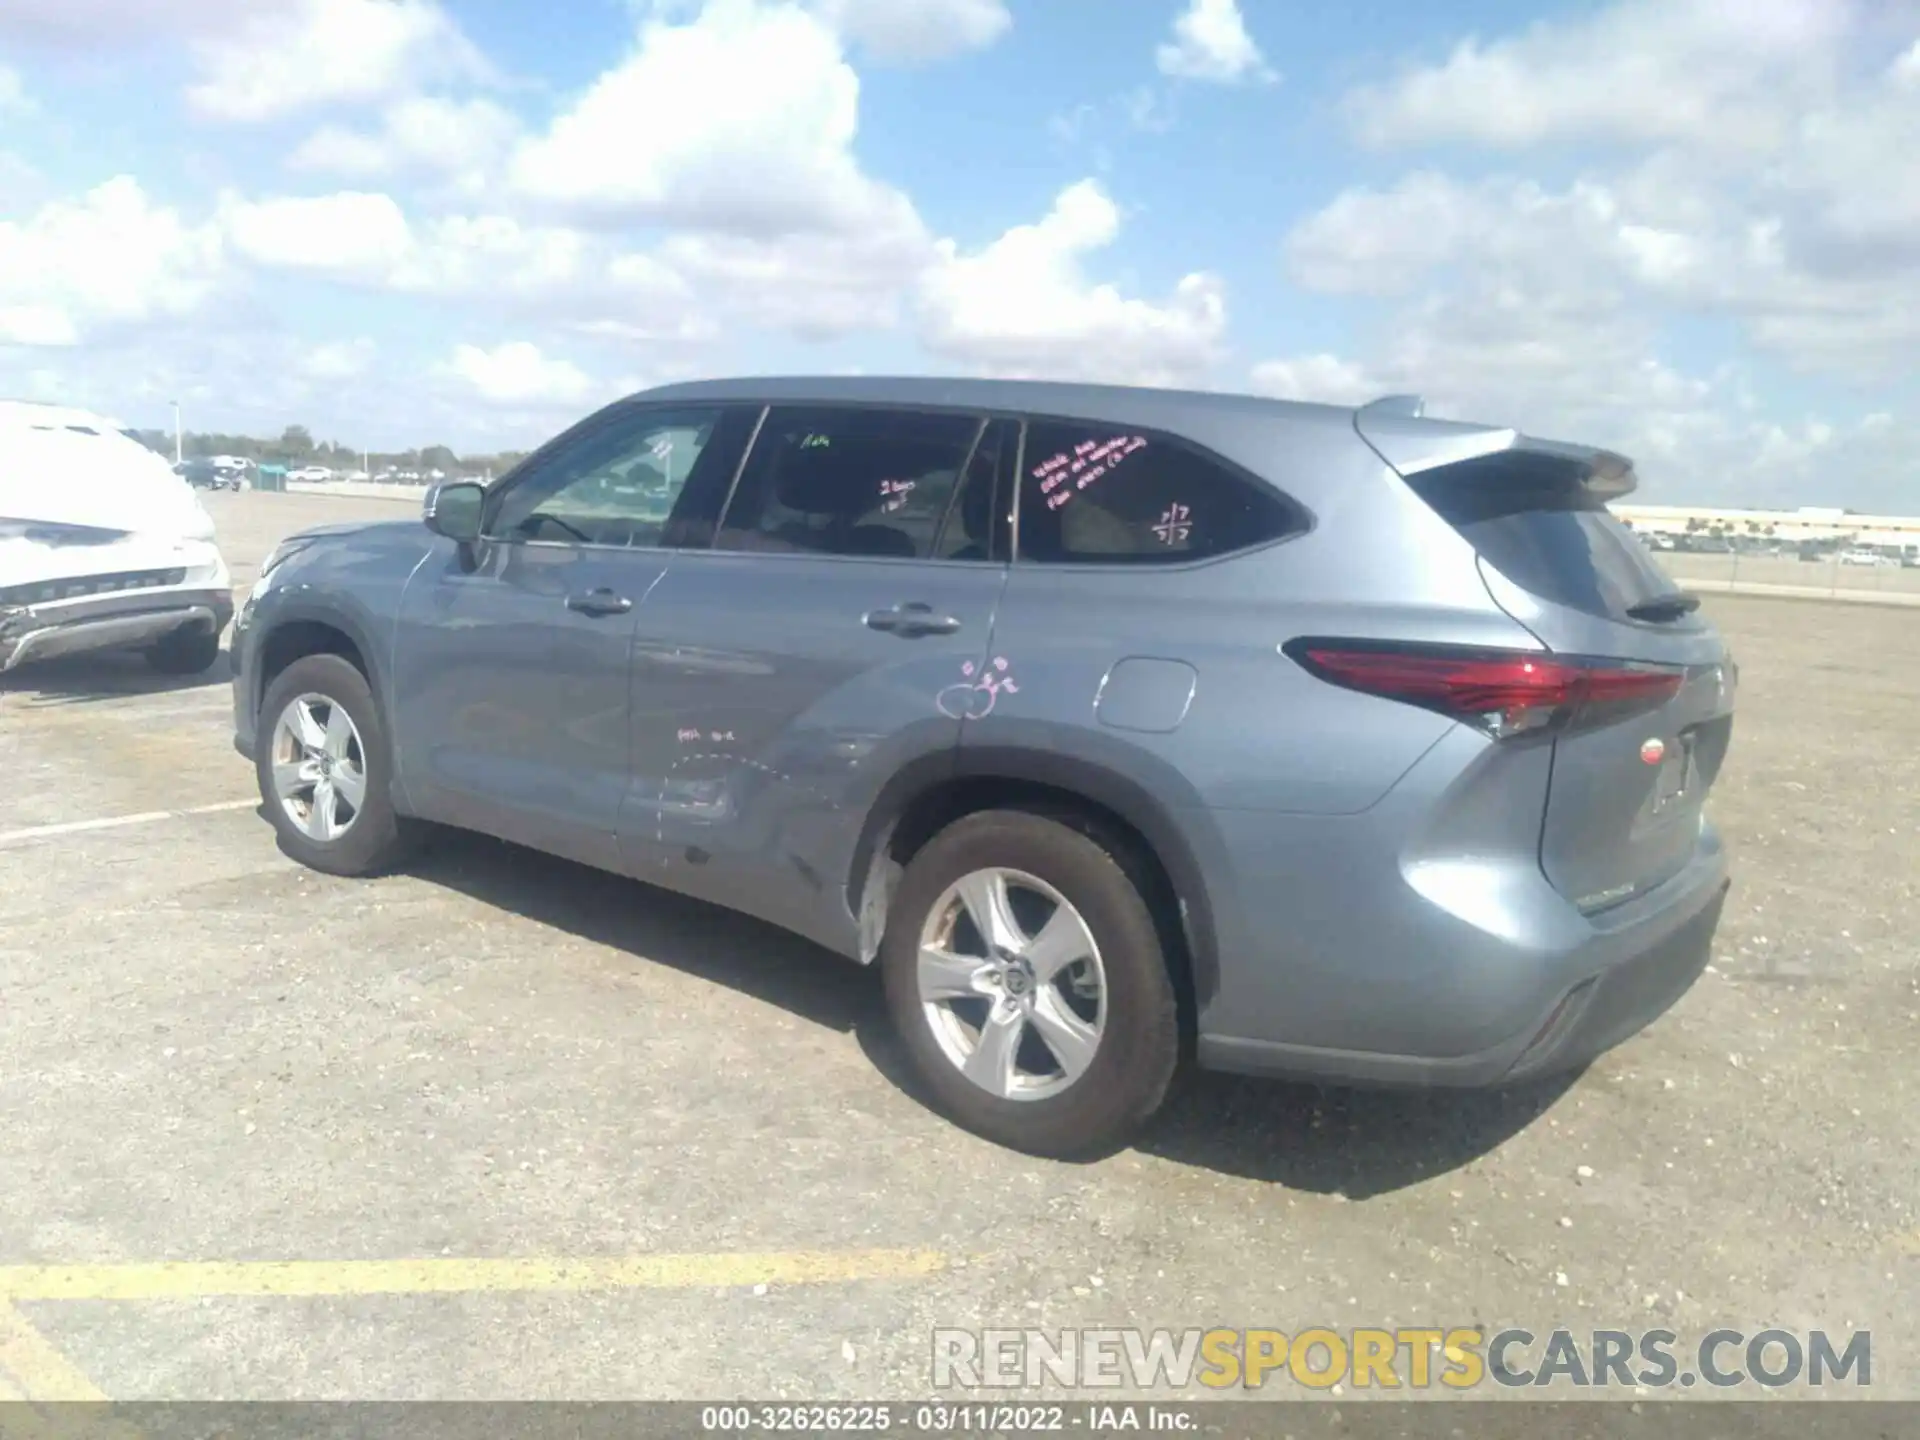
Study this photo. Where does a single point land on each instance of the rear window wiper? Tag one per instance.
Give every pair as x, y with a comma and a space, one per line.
1665, 607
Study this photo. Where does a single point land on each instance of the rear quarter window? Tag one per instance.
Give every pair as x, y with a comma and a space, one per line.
1533, 519
1101, 495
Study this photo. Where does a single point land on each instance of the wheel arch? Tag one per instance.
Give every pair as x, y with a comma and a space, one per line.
927, 796
296, 634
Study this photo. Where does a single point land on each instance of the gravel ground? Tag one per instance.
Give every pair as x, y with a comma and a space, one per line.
211, 1055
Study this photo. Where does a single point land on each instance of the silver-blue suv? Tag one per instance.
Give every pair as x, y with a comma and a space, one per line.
1345, 744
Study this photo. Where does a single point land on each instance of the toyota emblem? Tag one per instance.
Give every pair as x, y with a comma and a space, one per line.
1653, 751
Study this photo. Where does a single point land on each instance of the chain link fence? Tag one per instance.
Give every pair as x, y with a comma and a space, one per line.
1831, 576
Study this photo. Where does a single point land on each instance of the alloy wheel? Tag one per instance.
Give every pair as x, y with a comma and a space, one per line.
1011, 984
319, 767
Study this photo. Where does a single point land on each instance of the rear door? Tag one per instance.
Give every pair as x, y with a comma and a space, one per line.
821, 646
1624, 809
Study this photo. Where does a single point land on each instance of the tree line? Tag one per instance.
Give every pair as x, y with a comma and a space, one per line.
297, 447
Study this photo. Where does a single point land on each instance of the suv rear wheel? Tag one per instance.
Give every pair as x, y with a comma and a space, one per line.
1026, 977
324, 770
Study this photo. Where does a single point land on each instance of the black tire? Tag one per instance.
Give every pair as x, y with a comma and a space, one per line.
186, 651
1139, 1047
377, 839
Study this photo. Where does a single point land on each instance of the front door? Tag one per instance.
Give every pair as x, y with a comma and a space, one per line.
514, 662
838, 631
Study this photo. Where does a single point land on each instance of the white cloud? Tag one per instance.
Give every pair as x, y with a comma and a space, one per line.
110, 259
1210, 42
1813, 248
285, 59
1553, 307
464, 139
13, 92
364, 237
473, 254
1384, 242
1906, 70
1023, 306
742, 121
338, 360
912, 32
517, 373
1322, 378
100, 24
355, 235
817, 287
1847, 190
546, 274
1731, 73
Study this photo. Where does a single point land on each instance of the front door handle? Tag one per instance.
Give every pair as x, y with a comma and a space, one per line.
599, 602
910, 619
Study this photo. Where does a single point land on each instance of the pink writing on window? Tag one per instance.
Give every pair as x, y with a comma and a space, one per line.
893, 493
689, 735
1089, 461
1176, 524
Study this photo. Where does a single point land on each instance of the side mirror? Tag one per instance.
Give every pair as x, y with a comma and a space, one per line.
453, 509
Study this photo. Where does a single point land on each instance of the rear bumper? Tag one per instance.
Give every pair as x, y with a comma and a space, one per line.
105, 622
1589, 1019
1406, 994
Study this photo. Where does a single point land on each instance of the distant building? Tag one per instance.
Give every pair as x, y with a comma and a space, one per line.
1819, 524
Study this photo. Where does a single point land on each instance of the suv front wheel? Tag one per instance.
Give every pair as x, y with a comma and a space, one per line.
324, 770
1026, 977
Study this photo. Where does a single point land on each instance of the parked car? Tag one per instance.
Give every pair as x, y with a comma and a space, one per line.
1866, 555
310, 475
202, 474
103, 547
1342, 744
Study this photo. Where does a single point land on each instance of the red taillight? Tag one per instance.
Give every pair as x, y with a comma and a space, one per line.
1504, 692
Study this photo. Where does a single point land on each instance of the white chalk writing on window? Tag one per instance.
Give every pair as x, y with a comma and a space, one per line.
1176, 524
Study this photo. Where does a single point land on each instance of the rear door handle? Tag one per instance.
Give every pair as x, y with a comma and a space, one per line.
911, 618
599, 602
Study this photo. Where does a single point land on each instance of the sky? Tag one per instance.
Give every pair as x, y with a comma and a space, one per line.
1685, 229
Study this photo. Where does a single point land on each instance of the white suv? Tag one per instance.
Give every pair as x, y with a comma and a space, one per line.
102, 546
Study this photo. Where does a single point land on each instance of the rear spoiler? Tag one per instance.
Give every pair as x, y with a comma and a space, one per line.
1398, 431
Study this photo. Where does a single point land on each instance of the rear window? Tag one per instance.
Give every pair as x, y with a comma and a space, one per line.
1533, 519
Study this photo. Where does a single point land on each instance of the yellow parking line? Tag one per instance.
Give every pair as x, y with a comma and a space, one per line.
31, 1369
199, 1279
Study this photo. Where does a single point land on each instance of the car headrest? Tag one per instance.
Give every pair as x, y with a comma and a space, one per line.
819, 482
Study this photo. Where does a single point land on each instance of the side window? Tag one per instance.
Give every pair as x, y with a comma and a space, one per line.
834, 481
1100, 496
620, 482
976, 525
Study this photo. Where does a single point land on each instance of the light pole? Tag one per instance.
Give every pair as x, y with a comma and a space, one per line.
176, 430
